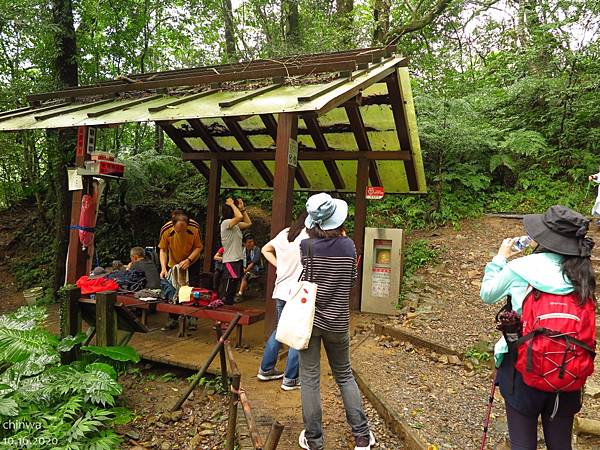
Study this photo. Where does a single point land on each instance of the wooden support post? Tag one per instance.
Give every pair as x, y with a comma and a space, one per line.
233, 407
223, 359
212, 213
273, 436
283, 190
106, 318
207, 364
70, 323
79, 262
360, 218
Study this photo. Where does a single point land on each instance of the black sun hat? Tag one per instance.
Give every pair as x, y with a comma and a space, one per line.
560, 230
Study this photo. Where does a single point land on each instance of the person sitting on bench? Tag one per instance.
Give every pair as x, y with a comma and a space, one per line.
252, 262
139, 262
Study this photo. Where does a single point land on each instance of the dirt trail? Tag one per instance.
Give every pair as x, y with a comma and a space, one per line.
10, 297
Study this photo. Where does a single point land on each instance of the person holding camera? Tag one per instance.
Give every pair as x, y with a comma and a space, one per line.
235, 220
551, 291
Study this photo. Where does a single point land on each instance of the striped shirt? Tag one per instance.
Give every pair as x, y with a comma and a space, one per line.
333, 268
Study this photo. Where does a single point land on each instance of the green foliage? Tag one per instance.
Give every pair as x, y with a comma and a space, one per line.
49, 404
116, 353
417, 254
210, 383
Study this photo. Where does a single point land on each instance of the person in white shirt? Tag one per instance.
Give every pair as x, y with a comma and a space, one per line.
283, 251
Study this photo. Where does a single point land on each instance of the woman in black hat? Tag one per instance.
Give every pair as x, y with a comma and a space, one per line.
559, 265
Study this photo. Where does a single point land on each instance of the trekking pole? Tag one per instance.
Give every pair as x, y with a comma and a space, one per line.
489, 412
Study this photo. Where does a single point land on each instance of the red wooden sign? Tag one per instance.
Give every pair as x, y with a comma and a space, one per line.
374, 192
81, 140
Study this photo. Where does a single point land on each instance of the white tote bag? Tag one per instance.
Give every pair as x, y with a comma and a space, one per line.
296, 321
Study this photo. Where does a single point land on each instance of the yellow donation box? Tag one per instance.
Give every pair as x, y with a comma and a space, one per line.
382, 270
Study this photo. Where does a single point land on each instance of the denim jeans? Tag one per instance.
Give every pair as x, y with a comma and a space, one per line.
337, 347
271, 351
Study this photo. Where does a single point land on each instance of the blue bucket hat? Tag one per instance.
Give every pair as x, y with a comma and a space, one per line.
327, 212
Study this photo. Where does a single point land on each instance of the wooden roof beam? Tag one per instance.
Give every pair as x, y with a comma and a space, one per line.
397, 103
182, 100
73, 109
362, 140
122, 106
303, 155
213, 146
196, 80
183, 145
20, 112
314, 129
247, 146
271, 126
248, 96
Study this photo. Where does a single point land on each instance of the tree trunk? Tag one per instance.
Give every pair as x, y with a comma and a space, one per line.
63, 145
344, 10
291, 20
230, 49
381, 19
159, 139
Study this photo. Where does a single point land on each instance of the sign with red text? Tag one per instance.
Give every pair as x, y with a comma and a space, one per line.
374, 192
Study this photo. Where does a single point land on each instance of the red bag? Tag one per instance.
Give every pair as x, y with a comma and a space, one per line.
202, 297
87, 220
92, 285
557, 350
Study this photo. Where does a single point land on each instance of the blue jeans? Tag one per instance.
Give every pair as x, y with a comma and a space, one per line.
271, 351
337, 347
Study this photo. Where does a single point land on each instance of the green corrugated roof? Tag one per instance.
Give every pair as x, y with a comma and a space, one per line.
378, 120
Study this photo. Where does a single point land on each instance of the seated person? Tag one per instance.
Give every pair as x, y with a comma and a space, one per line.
252, 262
139, 262
218, 258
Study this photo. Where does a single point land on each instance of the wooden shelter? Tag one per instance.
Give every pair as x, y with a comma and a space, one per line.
325, 122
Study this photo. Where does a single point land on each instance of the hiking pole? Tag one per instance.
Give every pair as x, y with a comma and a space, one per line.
489, 412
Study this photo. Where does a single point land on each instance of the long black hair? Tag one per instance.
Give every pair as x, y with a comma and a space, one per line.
297, 227
579, 270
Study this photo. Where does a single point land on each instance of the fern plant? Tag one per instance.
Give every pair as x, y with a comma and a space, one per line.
46, 405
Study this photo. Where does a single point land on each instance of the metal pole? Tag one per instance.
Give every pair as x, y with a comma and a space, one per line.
206, 365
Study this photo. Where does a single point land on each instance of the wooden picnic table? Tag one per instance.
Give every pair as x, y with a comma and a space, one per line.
224, 314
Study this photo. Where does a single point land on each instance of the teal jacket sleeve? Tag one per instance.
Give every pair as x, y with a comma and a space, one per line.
497, 280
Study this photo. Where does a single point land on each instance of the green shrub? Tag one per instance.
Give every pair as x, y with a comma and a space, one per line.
45, 404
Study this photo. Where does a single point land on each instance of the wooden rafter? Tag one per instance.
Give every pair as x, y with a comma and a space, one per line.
393, 85
250, 95
312, 124
75, 108
196, 80
303, 155
362, 139
213, 146
247, 146
172, 132
122, 106
21, 112
182, 100
271, 126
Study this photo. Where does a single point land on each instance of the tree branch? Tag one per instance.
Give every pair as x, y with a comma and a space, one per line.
417, 23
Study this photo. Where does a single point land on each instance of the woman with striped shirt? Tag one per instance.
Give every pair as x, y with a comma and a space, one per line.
329, 260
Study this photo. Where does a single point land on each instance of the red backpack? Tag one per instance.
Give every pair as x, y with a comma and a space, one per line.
557, 350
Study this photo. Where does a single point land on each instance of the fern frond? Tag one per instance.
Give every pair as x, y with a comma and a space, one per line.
18, 345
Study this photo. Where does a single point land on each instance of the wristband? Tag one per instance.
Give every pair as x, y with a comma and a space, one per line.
191, 262
243, 210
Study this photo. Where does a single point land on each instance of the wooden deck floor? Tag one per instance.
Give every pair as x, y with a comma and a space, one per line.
268, 401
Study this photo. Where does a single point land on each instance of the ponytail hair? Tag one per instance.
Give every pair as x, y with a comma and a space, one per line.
580, 272
297, 227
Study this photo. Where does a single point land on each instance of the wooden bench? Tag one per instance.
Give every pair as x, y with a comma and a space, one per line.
224, 314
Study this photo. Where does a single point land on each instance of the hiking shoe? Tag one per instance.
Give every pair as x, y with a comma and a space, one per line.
192, 324
272, 374
290, 385
302, 442
362, 444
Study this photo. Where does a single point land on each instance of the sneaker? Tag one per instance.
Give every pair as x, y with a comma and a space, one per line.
302, 442
272, 374
361, 443
192, 323
290, 385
